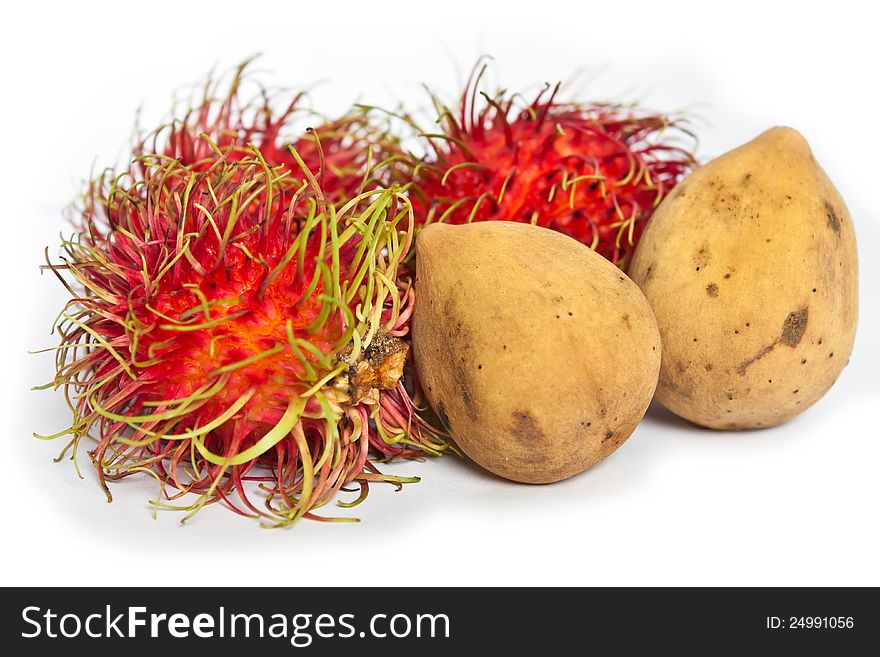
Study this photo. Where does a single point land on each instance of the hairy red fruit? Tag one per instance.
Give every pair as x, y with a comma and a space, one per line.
235, 334
343, 153
593, 172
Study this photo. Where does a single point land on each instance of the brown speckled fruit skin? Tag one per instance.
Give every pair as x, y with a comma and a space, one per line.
539, 355
750, 266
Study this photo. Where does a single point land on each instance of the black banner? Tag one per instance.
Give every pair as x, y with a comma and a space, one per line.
434, 621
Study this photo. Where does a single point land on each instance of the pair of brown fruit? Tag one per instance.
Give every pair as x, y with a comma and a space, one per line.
541, 357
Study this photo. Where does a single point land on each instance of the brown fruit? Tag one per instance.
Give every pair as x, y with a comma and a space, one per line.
750, 267
539, 355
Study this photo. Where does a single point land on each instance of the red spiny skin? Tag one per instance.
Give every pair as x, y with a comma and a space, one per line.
339, 163
335, 151
186, 358
242, 318
178, 353
219, 287
595, 173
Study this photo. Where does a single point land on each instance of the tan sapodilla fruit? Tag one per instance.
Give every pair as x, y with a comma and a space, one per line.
750, 267
539, 355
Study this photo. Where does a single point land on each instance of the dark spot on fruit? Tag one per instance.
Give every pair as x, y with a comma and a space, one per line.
557, 316
441, 411
625, 319
712, 290
461, 377
727, 275
832, 218
525, 428
466, 396
803, 361
695, 339
603, 412
736, 331
730, 395
621, 278
708, 367
831, 355
743, 366
701, 258
820, 341
794, 392
747, 178
814, 289
767, 240
680, 384
479, 367
570, 314
681, 367
608, 435
650, 271
794, 326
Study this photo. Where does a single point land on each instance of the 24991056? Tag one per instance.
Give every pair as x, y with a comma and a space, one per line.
810, 623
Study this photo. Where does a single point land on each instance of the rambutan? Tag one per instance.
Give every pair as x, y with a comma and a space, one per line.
236, 330
594, 172
341, 152
229, 115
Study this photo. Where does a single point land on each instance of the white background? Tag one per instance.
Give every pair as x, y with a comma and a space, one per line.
675, 505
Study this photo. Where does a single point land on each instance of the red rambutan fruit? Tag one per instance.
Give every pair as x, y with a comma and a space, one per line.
341, 152
594, 172
233, 325
231, 117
